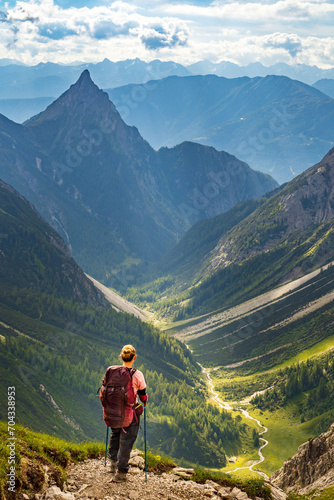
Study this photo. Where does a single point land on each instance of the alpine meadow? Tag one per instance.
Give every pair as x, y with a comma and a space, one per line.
187, 210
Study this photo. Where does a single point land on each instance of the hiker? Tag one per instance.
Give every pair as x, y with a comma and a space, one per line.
121, 410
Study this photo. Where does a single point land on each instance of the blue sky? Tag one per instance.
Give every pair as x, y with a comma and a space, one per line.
269, 31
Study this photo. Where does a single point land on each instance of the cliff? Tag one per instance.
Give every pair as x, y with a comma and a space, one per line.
311, 468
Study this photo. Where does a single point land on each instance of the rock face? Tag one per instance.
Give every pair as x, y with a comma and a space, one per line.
311, 468
305, 201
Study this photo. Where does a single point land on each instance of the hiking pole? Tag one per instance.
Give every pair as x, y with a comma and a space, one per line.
145, 443
105, 455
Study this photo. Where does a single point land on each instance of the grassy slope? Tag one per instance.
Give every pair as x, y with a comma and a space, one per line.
286, 426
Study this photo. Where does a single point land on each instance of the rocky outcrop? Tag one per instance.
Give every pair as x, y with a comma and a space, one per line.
305, 201
311, 468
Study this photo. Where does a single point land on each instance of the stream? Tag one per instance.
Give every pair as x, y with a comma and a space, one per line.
226, 406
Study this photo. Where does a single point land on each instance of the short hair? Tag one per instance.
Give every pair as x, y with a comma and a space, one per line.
128, 352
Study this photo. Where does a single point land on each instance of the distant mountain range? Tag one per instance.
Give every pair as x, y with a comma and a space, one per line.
277, 125
45, 79
48, 80
301, 72
326, 86
82, 166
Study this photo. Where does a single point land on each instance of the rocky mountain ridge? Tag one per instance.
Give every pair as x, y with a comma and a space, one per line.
306, 200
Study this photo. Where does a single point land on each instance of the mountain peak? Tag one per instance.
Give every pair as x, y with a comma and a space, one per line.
85, 74
84, 97
85, 78
84, 83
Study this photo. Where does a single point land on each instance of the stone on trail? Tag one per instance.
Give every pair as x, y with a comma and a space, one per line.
242, 496
181, 471
83, 487
214, 485
135, 470
137, 461
134, 495
135, 453
55, 493
225, 492
225, 496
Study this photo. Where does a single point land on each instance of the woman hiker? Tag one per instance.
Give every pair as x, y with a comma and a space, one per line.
121, 410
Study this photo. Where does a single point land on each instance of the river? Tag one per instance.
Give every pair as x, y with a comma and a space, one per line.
226, 406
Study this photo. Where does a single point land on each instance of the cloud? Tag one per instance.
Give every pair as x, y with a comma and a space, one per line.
55, 31
250, 12
159, 36
106, 29
42, 19
289, 42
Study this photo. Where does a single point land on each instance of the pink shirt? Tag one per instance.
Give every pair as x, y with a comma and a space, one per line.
138, 381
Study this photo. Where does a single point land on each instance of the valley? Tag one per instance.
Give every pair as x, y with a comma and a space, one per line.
221, 278
227, 406
266, 355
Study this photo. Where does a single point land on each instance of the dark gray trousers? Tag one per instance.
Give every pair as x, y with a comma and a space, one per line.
121, 442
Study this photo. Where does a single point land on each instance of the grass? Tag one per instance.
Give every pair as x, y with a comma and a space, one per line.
40, 448
316, 350
232, 385
243, 460
285, 434
327, 494
285, 430
158, 463
243, 475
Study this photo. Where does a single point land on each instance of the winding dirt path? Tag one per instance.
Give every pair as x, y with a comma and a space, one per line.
226, 406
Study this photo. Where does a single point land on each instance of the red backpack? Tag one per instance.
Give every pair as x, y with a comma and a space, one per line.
117, 396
